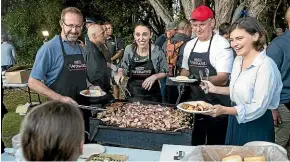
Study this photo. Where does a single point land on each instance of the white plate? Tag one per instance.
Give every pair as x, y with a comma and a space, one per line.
193, 103
182, 81
92, 92
91, 149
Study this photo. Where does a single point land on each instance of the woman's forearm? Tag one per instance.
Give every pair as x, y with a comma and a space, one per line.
160, 75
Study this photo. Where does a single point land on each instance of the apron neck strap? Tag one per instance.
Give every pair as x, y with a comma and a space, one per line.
62, 47
208, 46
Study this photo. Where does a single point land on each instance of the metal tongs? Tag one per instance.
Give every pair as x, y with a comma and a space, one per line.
90, 108
181, 90
207, 77
123, 90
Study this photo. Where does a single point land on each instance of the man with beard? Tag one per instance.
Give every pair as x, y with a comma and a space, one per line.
60, 64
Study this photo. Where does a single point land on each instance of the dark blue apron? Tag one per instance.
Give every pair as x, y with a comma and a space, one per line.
72, 80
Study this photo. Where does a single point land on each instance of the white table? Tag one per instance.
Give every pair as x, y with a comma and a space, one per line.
21, 86
133, 154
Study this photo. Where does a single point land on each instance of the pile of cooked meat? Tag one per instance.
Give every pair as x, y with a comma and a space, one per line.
148, 116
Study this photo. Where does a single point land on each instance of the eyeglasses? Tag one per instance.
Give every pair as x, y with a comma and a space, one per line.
201, 25
71, 26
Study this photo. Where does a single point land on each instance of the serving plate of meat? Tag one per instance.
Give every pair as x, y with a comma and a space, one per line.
93, 93
196, 107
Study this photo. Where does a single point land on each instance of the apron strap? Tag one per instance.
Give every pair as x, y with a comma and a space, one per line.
208, 50
210, 42
62, 47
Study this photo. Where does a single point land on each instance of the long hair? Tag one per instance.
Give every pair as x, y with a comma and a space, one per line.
134, 44
52, 131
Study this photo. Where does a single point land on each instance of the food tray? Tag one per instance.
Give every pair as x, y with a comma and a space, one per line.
137, 137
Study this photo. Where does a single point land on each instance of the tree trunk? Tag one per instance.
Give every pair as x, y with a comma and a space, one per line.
162, 12
275, 14
189, 5
223, 11
255, 8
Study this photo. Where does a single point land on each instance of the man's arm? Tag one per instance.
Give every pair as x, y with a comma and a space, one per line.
276, 54
223, 64
220, 79
120, 49
42, 89
118, 55
94, 73
13, 53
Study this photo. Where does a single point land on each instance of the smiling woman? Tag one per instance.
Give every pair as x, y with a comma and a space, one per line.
255, 86
144, 63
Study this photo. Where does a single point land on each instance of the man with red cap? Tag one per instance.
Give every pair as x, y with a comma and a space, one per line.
209, 54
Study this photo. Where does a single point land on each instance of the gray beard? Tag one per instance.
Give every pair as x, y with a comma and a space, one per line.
72, 38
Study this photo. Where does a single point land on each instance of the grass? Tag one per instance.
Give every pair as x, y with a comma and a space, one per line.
12, 121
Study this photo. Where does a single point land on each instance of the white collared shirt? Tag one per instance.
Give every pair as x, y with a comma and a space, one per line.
221, 55
256, 88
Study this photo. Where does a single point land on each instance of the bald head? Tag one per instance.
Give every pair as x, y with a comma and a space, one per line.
96, 33
287, 17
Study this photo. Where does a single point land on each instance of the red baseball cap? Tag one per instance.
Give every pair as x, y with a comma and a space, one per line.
201, 13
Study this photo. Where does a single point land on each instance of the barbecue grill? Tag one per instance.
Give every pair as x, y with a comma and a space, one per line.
101, 132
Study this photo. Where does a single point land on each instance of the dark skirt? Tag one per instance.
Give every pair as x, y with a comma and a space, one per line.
261, 129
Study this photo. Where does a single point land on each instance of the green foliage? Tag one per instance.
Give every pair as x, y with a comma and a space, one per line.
25, 22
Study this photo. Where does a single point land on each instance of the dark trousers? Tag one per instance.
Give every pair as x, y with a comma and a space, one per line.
2, 116
209, 130
6, 67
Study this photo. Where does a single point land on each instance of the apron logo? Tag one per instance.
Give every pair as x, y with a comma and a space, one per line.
141, 71
197, 62
77, 65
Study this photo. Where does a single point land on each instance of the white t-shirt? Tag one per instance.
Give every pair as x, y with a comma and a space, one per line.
221, 56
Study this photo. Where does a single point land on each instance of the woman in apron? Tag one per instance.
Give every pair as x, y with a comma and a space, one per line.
255, 86
144, 64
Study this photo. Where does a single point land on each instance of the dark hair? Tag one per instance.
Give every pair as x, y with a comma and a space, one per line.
224, 28
252, 26
52, 131
141, 23
5, 38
